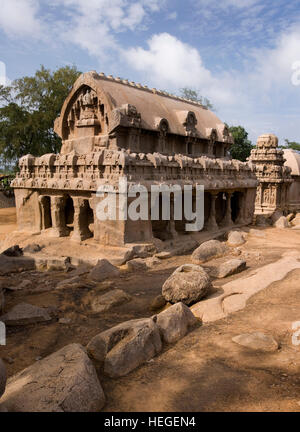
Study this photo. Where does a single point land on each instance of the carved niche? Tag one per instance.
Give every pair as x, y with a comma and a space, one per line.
127, 115
85, 115
163, 128
190, 124
212, 136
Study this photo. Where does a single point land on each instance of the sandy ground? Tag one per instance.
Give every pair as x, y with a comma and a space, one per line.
8, 221
205, 371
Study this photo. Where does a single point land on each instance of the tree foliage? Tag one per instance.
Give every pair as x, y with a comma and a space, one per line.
28, 109
194, 95
292, 145
242, 147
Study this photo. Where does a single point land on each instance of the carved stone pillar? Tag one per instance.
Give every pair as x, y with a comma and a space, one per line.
227, 221
42, 211
211, 223
81, 229
59, 228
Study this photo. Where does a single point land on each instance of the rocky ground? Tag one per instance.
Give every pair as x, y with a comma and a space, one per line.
204, 371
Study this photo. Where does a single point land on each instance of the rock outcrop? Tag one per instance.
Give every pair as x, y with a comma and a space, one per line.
103, 270
24, 314
229, 268
208, 250
175, 322
257, 342
11, 264
236, 238
126, 346
107, 301
188, 284
64, 381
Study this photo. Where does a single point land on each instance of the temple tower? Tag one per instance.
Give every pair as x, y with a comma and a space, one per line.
274, 177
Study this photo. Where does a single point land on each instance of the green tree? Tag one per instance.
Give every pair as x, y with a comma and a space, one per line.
194, 95
242, 147
28, 109
291, 145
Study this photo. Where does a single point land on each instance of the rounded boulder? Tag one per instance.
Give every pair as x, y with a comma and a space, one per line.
188, 284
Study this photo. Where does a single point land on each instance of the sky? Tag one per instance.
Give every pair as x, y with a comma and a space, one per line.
244, 55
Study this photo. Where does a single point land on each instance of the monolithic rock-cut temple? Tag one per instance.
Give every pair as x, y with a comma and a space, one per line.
292, 160
273, 191
111, 128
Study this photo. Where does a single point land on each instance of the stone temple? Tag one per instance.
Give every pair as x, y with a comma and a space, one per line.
292, 160
273, 191
111, 128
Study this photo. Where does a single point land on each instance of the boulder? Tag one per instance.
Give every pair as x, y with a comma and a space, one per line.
126, 346
175, 322
14, 251
103, 270
2, 378
24, 314
229, 268
281, 223
107, 301
152, 262
65, 381
32, 248
188, 284
15, 265
208, 250
142, 264
137, 264
158, 303
257, 342
235, 238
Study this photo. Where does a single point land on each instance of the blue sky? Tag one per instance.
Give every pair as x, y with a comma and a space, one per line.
244, 55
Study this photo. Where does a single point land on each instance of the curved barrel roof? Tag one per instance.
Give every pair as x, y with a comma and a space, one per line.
293, 161
153, 105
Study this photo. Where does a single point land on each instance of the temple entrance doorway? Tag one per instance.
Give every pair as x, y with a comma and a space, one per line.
46, 212
235, 205
69, 213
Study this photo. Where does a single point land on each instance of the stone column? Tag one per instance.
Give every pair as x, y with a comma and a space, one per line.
211, 223
81, 230
42, 212
227, 221
59, 228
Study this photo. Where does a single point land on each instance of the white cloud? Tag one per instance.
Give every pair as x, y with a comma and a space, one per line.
224, 4
274, 66
95, 24
255, 97
19, 18
169, 63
